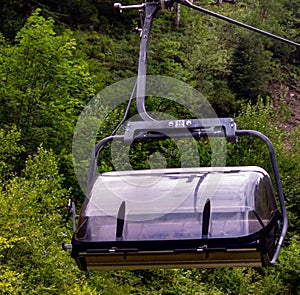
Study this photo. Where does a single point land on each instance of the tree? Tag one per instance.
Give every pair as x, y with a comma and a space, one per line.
9, 152
43, 84
250, 68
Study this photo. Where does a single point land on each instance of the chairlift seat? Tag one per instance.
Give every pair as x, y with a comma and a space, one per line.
183, 217
179, 217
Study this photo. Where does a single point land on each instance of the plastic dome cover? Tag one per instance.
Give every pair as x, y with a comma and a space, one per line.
168, 204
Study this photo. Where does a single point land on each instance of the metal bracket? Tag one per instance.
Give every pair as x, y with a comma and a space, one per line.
118, 7
215, 127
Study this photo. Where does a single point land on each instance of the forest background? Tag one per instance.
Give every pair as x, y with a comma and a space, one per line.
56, 55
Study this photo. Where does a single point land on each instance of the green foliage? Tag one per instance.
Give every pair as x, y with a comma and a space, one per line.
289, 266
10, 281
43, 84
9, 151
246, 281
250, 68
48, 73
31, 223
14, 14
260, 116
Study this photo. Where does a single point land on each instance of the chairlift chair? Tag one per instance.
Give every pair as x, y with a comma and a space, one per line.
210, 216
228, 218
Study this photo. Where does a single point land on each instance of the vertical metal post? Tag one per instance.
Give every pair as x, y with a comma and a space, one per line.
151, 9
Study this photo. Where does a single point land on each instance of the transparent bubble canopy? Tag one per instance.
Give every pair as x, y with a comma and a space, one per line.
168, 204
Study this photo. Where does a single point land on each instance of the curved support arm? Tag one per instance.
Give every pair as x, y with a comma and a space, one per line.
94, 157
266, 140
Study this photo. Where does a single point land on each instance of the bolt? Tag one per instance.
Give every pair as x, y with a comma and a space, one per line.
188, 123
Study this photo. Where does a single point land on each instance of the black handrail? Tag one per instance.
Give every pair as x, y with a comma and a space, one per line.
273, 160
92, 174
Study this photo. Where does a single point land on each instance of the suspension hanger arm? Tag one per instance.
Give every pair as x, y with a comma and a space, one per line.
238, 23
151, 9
